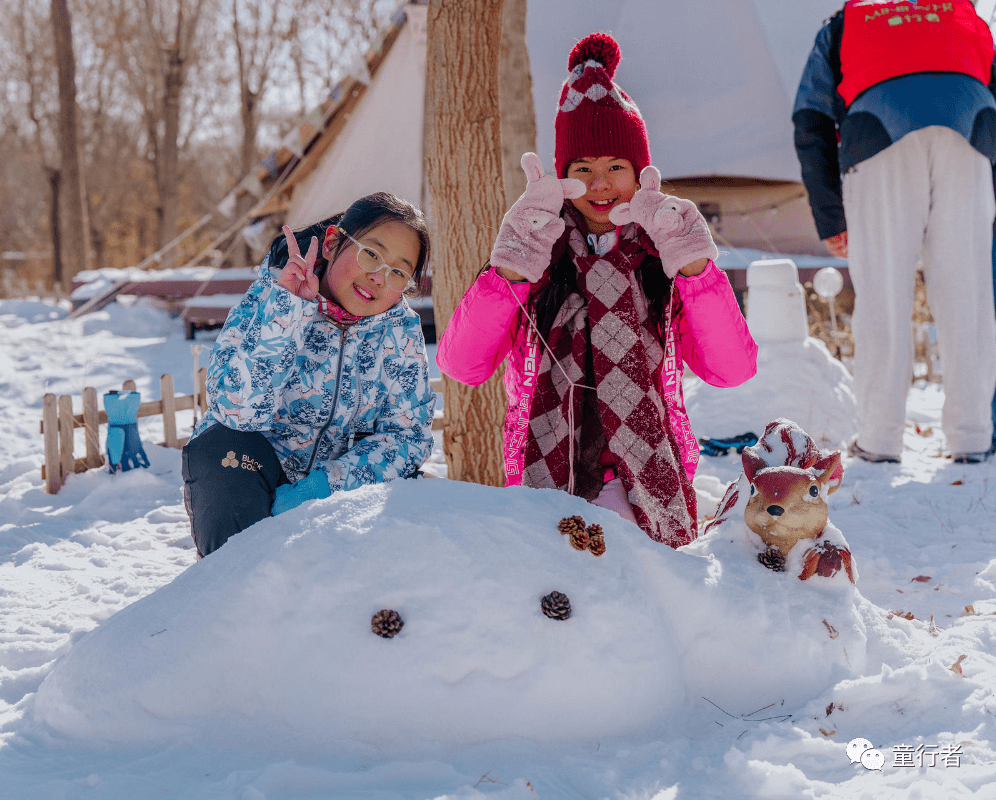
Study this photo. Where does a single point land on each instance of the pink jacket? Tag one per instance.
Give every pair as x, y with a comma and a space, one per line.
710, 333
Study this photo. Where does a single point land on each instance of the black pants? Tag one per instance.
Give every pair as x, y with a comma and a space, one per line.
229, 481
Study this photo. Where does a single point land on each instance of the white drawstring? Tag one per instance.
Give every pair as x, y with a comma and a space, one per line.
668, 346
570, 391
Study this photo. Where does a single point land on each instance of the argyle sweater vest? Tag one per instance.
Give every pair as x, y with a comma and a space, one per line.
598, 385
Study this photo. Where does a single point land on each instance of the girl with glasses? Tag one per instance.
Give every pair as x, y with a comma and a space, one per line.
319, 380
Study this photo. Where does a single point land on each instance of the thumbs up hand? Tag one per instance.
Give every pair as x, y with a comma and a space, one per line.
533, 224
676, 226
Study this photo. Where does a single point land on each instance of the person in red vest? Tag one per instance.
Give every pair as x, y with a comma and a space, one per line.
895, 129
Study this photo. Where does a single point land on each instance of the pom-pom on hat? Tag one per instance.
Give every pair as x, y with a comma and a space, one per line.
595, 117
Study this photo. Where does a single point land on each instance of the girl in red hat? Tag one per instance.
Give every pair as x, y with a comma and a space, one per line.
599, 288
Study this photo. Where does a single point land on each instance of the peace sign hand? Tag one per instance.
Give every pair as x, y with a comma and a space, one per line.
298, 276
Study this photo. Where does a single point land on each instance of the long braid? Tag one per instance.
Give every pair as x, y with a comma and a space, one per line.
545, 302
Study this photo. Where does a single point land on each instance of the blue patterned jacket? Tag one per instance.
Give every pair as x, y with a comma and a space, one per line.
354, 403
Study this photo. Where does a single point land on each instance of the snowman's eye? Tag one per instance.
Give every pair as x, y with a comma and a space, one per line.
813, 491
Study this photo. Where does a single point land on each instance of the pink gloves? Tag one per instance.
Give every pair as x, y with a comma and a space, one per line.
677, 229
533, 224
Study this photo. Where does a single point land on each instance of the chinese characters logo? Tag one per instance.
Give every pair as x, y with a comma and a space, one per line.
904, 755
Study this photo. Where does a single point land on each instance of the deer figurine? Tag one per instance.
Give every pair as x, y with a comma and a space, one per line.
788, 480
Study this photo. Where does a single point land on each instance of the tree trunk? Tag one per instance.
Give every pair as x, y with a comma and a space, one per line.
515, 99
466, 202
74, 206
99, 241
168, 177
248, 161
249, 112
54, 179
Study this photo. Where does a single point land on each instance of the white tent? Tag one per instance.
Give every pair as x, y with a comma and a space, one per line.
380, 146
715, 80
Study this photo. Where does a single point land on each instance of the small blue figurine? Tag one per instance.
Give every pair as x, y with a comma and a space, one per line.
124, 448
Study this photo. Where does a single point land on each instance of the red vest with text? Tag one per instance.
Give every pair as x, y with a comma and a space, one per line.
886, 40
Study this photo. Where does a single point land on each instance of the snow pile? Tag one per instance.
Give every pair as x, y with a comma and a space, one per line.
759, 699
20, 312
215, 300
800, 381
270, 636
94, 282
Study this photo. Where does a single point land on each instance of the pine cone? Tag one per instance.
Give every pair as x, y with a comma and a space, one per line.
386, 623
596, 544
571, 524
772, 558
580, 539
556, 605
595, 530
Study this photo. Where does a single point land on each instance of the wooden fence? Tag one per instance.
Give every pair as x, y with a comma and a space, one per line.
59, 422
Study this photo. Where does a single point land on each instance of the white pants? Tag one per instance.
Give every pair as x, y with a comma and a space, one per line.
613, 497
927, 197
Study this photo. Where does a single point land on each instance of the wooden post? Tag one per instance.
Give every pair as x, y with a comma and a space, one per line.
53, 469
196, 350
129, 386
91, 428
169, 410
202, 389
67, 461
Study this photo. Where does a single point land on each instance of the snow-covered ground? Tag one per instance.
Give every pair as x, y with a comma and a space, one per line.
129, 670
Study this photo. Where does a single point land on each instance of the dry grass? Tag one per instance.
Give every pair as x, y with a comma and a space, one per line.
840, 343
29, 277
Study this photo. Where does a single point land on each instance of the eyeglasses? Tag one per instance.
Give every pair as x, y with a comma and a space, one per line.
369, 260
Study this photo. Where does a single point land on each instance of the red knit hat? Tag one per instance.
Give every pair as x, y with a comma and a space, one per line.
595, 117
